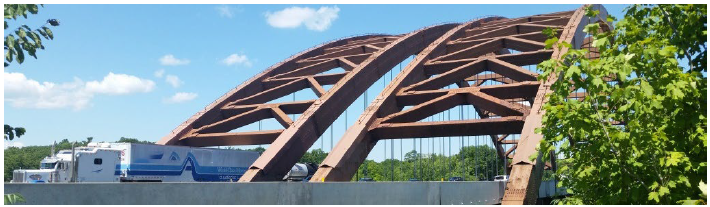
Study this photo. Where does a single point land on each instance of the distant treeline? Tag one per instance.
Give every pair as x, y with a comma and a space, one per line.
479, 163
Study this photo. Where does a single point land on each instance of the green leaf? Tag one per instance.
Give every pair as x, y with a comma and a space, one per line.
48, 32
550, 42
591, 12
20, 33
629, 56
601, 42
653, 196
19, 52
10, 41
596, 81
703, 188
668, 51
33, 8
9, 55
646, 88
14, 198
41, 32
663, 191
571, 71
591, 28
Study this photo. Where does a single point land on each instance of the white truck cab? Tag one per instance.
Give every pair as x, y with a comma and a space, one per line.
93, 164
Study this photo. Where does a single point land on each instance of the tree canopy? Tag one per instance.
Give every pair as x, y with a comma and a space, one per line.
639, 136
25, 38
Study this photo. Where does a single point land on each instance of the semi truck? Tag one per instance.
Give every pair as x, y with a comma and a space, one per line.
131, 162
301, 172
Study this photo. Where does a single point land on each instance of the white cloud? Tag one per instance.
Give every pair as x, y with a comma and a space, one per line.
170, 60
180, 97
120, 84
173, 80
22, 92
17, 144
225, 11
237, 59
159, 73
293, 17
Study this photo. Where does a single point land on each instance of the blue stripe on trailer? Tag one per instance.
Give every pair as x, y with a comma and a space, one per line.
199, 173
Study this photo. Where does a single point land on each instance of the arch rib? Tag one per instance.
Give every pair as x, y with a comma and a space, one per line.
215, 112
526, 175
343, 161
293, 142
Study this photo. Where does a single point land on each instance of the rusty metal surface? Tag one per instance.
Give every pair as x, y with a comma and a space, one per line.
526, 174
458, 57
293, 142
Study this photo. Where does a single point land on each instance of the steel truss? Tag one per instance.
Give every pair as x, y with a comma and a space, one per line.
448, 54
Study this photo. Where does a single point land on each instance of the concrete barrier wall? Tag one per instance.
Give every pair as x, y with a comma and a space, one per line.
353, 193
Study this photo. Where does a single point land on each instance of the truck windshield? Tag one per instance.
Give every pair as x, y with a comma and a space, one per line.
47, 165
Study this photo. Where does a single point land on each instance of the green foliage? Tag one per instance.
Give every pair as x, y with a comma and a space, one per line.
314, 156
640, 138
11, 132
14, 198
24, 39
435, 167
260, 150
29, 157
133, 140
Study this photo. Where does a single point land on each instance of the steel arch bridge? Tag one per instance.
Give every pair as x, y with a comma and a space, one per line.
446, 54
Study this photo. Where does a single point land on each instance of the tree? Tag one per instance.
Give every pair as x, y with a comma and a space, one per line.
411, 156
314, 156
27, 39
639, 136
11, 132
132, 140
260, 150
14, 198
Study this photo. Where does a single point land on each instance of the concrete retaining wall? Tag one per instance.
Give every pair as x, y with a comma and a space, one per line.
353, 193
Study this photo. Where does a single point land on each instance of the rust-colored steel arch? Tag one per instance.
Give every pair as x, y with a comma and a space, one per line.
285, 151
446, 54
526, 175
459, 57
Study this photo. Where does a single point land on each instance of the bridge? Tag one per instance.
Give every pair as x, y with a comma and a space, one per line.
487, 64
446, 55
271, 193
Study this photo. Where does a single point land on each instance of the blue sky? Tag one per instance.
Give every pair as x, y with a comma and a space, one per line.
140, 70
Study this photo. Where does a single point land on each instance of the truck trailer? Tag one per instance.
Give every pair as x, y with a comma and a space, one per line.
131, 162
